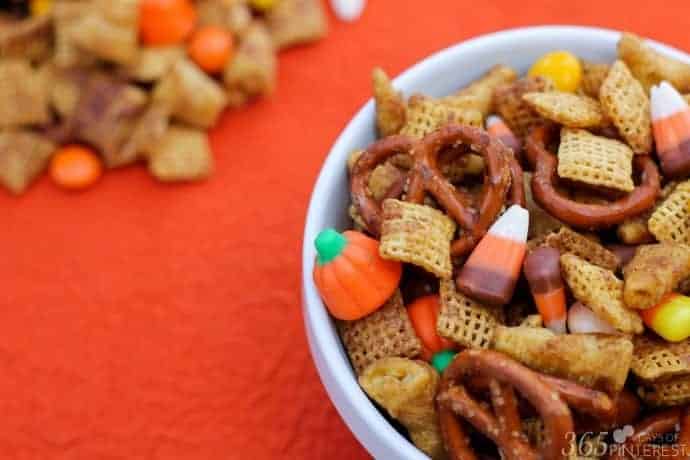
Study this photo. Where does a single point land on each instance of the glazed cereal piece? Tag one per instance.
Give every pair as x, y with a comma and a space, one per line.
407, 390
23, 156
390, 105
517, 114
387, 332
67, 15
464, 321
105, 116
594, 160
194, 97
601, 291
532, 321
149, 129
417, 234
567, 109
656, 270
593, 75
30, 38
674, 392
651, 67
478, 95
635, 230
655, 359
23, 94
153, 63
252, 71
183, 154
234, 15
670, 222
109, 30
583, 358
569, 241
425, 115
541, 223
294, 22
352, 159
383, 178
626, 103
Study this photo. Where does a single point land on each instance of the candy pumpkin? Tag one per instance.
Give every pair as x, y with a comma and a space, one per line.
423, 313
351, 276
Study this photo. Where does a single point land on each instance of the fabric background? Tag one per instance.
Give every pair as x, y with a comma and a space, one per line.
143, 321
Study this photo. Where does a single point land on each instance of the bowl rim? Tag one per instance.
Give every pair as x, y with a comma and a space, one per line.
336, 374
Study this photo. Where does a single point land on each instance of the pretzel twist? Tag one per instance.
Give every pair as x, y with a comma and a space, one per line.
581, 215
502, 427
502, 174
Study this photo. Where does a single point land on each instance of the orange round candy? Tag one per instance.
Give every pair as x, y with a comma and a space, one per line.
165, 22
211, 48
75, 167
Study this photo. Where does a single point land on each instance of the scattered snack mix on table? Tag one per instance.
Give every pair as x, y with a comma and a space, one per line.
133, 81
554, 254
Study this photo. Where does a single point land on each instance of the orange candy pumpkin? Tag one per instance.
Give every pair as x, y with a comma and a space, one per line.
423, 313
351, 276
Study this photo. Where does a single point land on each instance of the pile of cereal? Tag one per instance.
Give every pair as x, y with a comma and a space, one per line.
514, 284
88, 84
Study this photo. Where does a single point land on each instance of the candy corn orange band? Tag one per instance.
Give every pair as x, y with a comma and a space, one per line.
547, 300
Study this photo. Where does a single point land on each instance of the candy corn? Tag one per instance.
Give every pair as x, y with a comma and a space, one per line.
493, 268
499, 129
543, 272
671, 123
582, 320
670, 318
423, 314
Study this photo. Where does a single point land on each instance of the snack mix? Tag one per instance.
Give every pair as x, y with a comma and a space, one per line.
515, 282
87, 85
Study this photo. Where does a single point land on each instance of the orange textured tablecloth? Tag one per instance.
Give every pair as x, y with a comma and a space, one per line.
142, 321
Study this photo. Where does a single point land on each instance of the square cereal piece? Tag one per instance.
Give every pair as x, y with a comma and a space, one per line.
593, 75
655, 359
601, 291
390, 104
651, 67
508, 103
106, 115
478, 95
670, 222
383, 178
655, 271
567, 109
567, 240
464, 321
417, 234
252, 71
293, 22
153, 63
109, 31
595, 160
30, 38
67, 14
425, 115
194, 97
625, 102
385, 333
183, 154
674, 392
23, 156
235, 15
23, 94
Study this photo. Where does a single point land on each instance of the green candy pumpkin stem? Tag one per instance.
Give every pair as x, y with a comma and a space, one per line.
329, 244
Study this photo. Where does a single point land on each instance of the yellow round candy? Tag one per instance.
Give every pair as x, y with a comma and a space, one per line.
40, 7
561, 67
262, 5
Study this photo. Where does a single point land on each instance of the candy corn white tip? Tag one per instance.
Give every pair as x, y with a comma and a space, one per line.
348, 10
557, 326
512, 225
666, 101
582, 320
492, 120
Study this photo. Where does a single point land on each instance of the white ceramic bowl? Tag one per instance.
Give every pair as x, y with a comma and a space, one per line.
438, 75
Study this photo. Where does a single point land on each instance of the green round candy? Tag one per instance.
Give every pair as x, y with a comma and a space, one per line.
329, 244
442, 359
